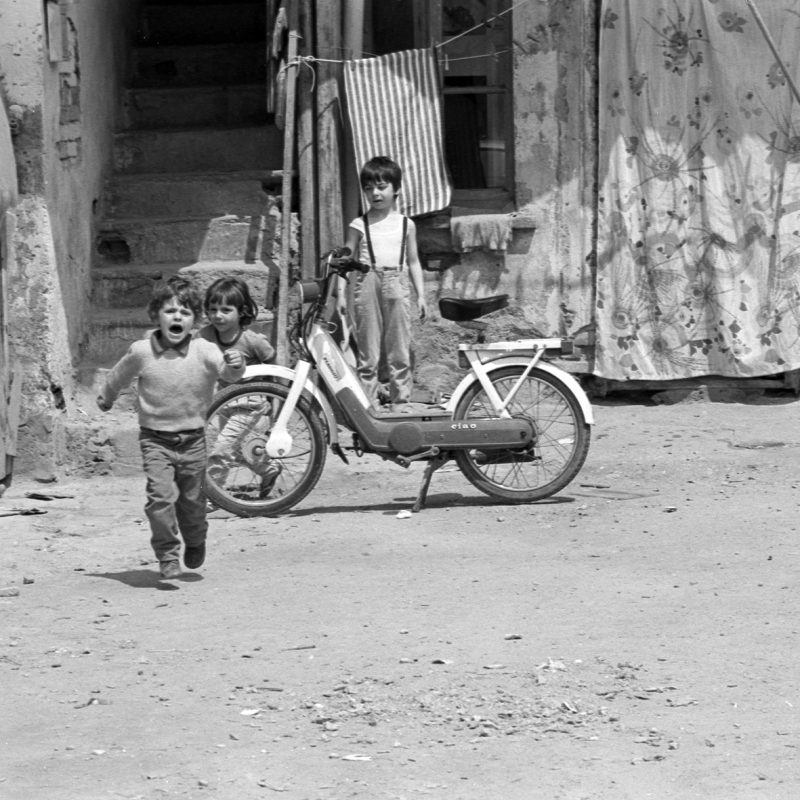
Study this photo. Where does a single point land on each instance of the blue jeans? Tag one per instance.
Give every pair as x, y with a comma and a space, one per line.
382, 305
174, 465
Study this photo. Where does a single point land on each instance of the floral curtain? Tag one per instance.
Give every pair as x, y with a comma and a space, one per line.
698, 269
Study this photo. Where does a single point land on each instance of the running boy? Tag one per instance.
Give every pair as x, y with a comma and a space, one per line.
176, 378
387, 241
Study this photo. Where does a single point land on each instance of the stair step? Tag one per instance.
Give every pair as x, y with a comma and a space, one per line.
195, 193
233, 148
130, 286
112, 331
188, 239
183, 106
177, 23
198, 65
110, 334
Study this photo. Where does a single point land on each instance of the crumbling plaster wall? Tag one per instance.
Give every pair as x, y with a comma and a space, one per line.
548, 270
63, 109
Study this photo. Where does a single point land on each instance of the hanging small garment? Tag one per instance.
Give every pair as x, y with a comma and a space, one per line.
395, 111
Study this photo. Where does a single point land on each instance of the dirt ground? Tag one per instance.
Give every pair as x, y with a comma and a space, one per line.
635, 637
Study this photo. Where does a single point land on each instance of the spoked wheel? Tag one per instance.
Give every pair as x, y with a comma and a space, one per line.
561, 437
241, 477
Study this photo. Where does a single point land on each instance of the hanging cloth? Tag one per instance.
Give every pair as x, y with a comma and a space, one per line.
698, 254
395, 110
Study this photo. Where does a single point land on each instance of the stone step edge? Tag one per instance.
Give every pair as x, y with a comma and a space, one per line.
194, 129
205, 88
108, 225
271, 177
172, 267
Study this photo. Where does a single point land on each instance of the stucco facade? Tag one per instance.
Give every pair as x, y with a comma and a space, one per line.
59, 83
548, 268
62, 87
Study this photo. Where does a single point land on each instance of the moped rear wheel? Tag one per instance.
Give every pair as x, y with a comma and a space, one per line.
560, 444
240, 477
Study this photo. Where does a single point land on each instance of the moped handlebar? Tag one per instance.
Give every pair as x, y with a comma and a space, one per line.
340, 261
337, 253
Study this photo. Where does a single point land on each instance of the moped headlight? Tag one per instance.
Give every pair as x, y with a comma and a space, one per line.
309, 291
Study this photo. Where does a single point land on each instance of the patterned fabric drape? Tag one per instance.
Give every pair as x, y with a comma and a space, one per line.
698, 267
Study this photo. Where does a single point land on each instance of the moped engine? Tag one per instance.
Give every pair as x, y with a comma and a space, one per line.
408, 438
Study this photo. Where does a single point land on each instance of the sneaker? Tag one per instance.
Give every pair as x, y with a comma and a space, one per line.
170, 570
194, 557
274, 468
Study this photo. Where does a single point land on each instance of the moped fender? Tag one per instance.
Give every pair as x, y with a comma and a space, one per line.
257, 372
523, 361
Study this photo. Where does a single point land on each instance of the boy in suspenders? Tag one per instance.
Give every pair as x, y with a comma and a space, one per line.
387, 241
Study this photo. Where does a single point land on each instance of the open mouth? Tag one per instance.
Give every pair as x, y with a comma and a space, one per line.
176, 329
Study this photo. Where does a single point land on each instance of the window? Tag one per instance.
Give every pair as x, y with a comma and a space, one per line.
476, 71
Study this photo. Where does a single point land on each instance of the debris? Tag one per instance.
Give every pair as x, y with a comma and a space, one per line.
9, 591
22, 512
404, 514
670, 509
510, 636
357, 757
48, 496
441, 661
299, 647
265, 785
93, 701
251, 712
553, 666
678, 703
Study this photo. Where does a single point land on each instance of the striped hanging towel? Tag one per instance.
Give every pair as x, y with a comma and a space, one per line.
395, 111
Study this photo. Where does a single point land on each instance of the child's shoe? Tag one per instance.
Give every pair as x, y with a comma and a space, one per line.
268, 478
194, 557
170, 570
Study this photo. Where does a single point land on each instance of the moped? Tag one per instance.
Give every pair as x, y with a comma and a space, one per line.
517, 426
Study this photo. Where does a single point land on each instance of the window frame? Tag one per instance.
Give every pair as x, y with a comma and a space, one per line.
429, 16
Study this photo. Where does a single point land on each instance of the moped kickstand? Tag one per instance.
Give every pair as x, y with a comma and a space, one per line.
438, 460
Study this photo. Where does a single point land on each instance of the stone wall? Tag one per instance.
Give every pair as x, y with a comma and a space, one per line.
60, 71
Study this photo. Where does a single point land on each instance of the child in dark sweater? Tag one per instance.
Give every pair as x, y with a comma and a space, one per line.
176, 377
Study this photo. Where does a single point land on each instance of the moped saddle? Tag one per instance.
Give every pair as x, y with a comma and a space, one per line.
461, 310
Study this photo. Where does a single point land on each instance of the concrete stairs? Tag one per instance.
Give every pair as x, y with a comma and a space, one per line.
196, 168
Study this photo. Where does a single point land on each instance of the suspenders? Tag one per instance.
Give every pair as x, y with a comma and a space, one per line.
402, 245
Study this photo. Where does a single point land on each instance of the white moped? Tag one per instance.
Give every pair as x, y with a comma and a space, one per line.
517, 426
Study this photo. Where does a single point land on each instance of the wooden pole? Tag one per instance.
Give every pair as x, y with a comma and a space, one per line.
329, 122
306, 147
353, 48
281, 340
760, 22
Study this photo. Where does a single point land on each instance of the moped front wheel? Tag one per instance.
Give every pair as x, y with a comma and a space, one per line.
561, 437
241, 477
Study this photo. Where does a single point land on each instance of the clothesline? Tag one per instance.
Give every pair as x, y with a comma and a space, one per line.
482, 24
307, 61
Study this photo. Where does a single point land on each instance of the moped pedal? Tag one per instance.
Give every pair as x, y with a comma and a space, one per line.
337, 448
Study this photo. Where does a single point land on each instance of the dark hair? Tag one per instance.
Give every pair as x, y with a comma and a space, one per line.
184, 291
380, 169
232, 292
